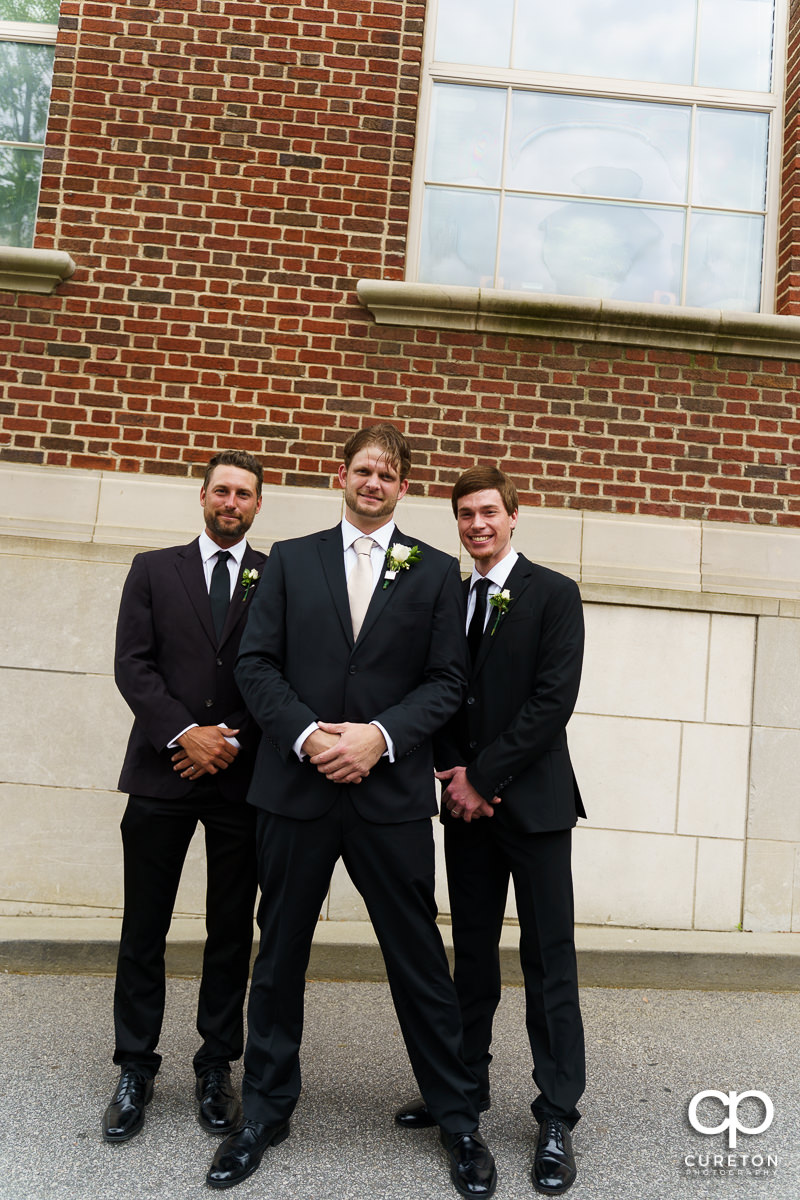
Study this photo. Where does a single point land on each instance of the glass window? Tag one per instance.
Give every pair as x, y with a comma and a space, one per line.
27, 48
600, 148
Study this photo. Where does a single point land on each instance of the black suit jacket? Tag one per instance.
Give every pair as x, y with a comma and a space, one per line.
511, 730
172, 673
298, 664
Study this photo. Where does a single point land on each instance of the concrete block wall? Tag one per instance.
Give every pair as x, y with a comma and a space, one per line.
685, 737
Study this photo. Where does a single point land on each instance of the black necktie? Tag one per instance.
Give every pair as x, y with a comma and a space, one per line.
475, 631
220, 591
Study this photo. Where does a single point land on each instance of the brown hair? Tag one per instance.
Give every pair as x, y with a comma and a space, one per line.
236, 458
387, 438
478, 479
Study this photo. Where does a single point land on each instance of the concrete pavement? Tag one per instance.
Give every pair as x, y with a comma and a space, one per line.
650, 1052
608, 956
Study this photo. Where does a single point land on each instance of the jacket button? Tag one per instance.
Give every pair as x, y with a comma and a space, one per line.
470, 699
352, 670
209, 703
219, 662
473, 745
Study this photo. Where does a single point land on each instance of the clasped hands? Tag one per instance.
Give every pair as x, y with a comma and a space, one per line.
204, 750
460, 797
344, 752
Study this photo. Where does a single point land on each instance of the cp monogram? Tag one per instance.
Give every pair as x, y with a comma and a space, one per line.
731, 1100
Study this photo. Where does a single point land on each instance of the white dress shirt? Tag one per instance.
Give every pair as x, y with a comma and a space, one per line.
208, 552
382, 538
497, 581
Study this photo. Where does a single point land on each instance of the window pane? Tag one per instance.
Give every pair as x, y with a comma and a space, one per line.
736, 44
466, 141
19, 191
623, 39
730, 159
599, 147
43, 12
577, 248
474, 31
725, 261
459, 234
26, 72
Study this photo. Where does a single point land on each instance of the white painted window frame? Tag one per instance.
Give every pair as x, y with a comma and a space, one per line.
771, 103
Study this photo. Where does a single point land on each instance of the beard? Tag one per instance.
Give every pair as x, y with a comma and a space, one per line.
232, 530
355, 503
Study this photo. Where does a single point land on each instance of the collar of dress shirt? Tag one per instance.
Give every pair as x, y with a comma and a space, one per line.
209, 547
382, 536
498, 574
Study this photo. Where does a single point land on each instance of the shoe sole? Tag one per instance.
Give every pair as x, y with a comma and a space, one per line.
559, 1191
223, 1129
279, 1137
116, 1139
490, 1190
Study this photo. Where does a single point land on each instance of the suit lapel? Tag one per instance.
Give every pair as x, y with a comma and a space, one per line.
382, 595
516, 584
238, 606
189, 566
331, 552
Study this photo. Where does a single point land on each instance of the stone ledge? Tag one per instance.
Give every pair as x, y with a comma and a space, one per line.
608, 956
28, 270
577, 319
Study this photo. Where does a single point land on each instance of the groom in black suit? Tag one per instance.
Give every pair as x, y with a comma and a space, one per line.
510, 803
353, 657
189, 758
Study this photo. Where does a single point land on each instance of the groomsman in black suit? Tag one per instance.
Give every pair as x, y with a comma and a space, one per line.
354, 656
510, 802
189, 758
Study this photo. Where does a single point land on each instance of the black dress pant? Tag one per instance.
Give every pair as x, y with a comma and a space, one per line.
392, 866
481, 856
155, 838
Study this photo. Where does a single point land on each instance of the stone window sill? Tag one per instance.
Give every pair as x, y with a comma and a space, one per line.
28, 270
490, 310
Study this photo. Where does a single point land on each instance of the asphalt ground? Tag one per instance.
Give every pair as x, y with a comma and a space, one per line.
649, 1053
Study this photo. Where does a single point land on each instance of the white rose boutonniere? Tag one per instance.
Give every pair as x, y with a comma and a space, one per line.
400, 558
249, 577
500, 602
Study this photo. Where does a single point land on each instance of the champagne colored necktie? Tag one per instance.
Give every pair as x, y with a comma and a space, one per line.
359, 583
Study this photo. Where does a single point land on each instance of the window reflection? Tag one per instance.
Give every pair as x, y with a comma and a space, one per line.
581, 248
554, 139
459, 236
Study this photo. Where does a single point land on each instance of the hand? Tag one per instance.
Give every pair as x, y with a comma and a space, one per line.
460, 797
357, 750
317, 742
204, 750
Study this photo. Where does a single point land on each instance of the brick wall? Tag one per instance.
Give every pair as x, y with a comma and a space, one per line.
223, 173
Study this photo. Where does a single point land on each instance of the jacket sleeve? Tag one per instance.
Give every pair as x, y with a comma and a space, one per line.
157, 711
272, 702
427, 707
543, 717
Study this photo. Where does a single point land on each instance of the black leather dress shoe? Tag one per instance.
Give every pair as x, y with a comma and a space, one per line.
417, 1115
124, 1116
553, 1163
472, 1168
219, 1110
241, 1152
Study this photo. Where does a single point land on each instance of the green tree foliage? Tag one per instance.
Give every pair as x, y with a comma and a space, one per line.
26, 71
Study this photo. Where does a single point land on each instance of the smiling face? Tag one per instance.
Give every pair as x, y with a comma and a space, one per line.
372, 487
230, 503
484, 527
